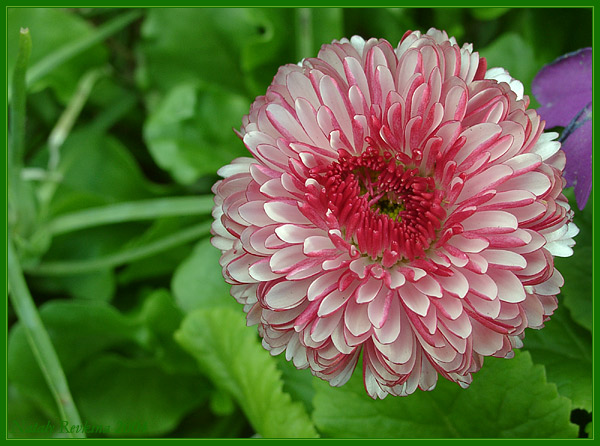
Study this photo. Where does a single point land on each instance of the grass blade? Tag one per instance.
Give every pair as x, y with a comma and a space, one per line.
40, 342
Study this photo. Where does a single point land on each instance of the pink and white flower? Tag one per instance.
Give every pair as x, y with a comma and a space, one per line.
400, 203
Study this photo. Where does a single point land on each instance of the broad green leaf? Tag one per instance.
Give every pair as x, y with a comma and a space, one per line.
189, 133
47, 37
78, 330
230, 353
215, 45
298, 383
221, 403
565, 350
262, 55
512, 52
507, 399
162, 318
97, 169
198, 282
98, 285
577, 270
134, 397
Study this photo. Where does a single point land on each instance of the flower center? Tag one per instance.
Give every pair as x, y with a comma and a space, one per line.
386, 209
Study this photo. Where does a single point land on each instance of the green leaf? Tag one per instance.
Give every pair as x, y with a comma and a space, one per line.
577, 270
328, 25
488, 13
553, 32
451, 21
271, 47
507, 399
512, 52
231, 354
184, 137
316, 27
181, 45
134, 397
198, 281
123, 256
154, 267
298, 383
565, 350
23, 419
87, 244
100, 285
203, 423
221, 403
162, 318
97, 169
47, 36
78, 330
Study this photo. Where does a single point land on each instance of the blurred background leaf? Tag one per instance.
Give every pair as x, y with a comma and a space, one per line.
198, 282
48, 37
189, 133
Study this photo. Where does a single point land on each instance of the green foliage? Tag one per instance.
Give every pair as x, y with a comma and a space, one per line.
198, 282
565, 349
236, 362
24, 419
111, 226
578, 269
78, 330
512, 52
48, 38
507, 398
96, 169
135, 397
189, 132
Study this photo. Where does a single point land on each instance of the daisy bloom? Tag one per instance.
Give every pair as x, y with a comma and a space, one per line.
402, 206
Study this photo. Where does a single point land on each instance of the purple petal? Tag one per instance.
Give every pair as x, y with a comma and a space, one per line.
578, 171
564, 87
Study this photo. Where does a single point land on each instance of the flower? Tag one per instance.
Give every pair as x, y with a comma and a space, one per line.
400, 203
564, 88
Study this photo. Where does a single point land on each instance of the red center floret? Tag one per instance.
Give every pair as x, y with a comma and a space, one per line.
386, 209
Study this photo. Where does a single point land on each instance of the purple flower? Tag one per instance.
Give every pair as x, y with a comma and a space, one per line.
564, 89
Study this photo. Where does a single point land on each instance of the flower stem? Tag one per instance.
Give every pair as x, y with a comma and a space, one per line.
72, 267
39, 341
131, 211
67, 119
17, 109
22, 208
304, 33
